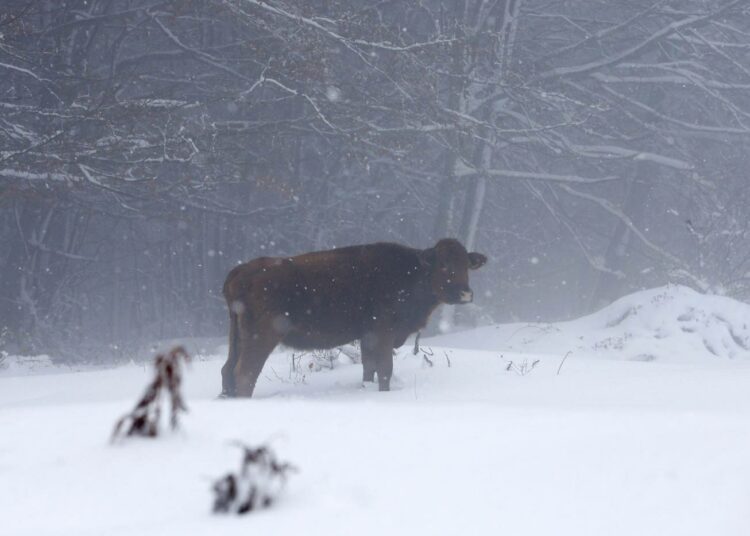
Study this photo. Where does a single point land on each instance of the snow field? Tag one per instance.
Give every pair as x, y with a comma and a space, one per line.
609, 446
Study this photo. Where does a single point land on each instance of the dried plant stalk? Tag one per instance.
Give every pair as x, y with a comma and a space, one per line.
143, 420
257, 485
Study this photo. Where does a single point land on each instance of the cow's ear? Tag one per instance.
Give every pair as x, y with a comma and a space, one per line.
476, 260
427, 258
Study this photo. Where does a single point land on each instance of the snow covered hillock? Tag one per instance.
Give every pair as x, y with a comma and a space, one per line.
671, 323
17, 365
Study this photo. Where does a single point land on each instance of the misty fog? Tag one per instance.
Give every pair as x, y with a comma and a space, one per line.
589, 148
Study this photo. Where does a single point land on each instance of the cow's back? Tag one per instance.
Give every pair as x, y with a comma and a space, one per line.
344, 293
327, 298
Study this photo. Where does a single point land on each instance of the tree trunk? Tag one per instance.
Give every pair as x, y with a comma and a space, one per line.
617, 258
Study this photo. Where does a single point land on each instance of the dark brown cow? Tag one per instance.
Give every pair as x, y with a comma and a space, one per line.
377, 293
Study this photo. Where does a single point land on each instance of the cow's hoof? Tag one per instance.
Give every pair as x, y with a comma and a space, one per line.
368, 376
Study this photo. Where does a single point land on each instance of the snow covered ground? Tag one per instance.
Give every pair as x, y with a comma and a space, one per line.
645, 431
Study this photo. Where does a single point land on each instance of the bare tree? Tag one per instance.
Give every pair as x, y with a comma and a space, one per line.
147, 146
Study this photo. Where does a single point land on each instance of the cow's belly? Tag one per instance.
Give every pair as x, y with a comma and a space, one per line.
311, 340
316, 323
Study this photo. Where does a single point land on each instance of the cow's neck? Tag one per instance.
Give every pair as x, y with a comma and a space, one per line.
420, 304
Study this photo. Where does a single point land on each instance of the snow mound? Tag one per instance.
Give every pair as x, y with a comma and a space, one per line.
671, 323
18, 365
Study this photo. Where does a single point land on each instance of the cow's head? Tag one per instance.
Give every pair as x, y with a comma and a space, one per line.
449, 264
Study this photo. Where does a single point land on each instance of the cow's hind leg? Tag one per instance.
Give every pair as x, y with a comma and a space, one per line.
227, 371
256, 341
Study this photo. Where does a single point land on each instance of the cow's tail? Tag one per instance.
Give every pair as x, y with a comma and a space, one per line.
227, 371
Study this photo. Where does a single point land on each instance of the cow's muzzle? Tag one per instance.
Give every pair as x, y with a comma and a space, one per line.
466, 296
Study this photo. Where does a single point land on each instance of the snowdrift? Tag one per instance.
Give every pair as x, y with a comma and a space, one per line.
671, 323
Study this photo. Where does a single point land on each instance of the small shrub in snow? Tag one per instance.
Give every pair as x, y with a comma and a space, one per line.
428, 353
326, 358
258, 484
302, 364
145, 417
329, 358
353, 352
523, 368
297, 370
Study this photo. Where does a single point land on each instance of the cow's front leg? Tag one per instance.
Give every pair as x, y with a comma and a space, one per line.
385, 370
368, 370
369, 360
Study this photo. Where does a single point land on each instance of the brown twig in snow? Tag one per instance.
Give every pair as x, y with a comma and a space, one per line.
562, 362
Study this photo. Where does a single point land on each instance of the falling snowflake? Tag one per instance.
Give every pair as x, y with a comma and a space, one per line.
333, 93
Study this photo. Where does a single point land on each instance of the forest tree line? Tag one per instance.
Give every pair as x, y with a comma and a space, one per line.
588, 147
